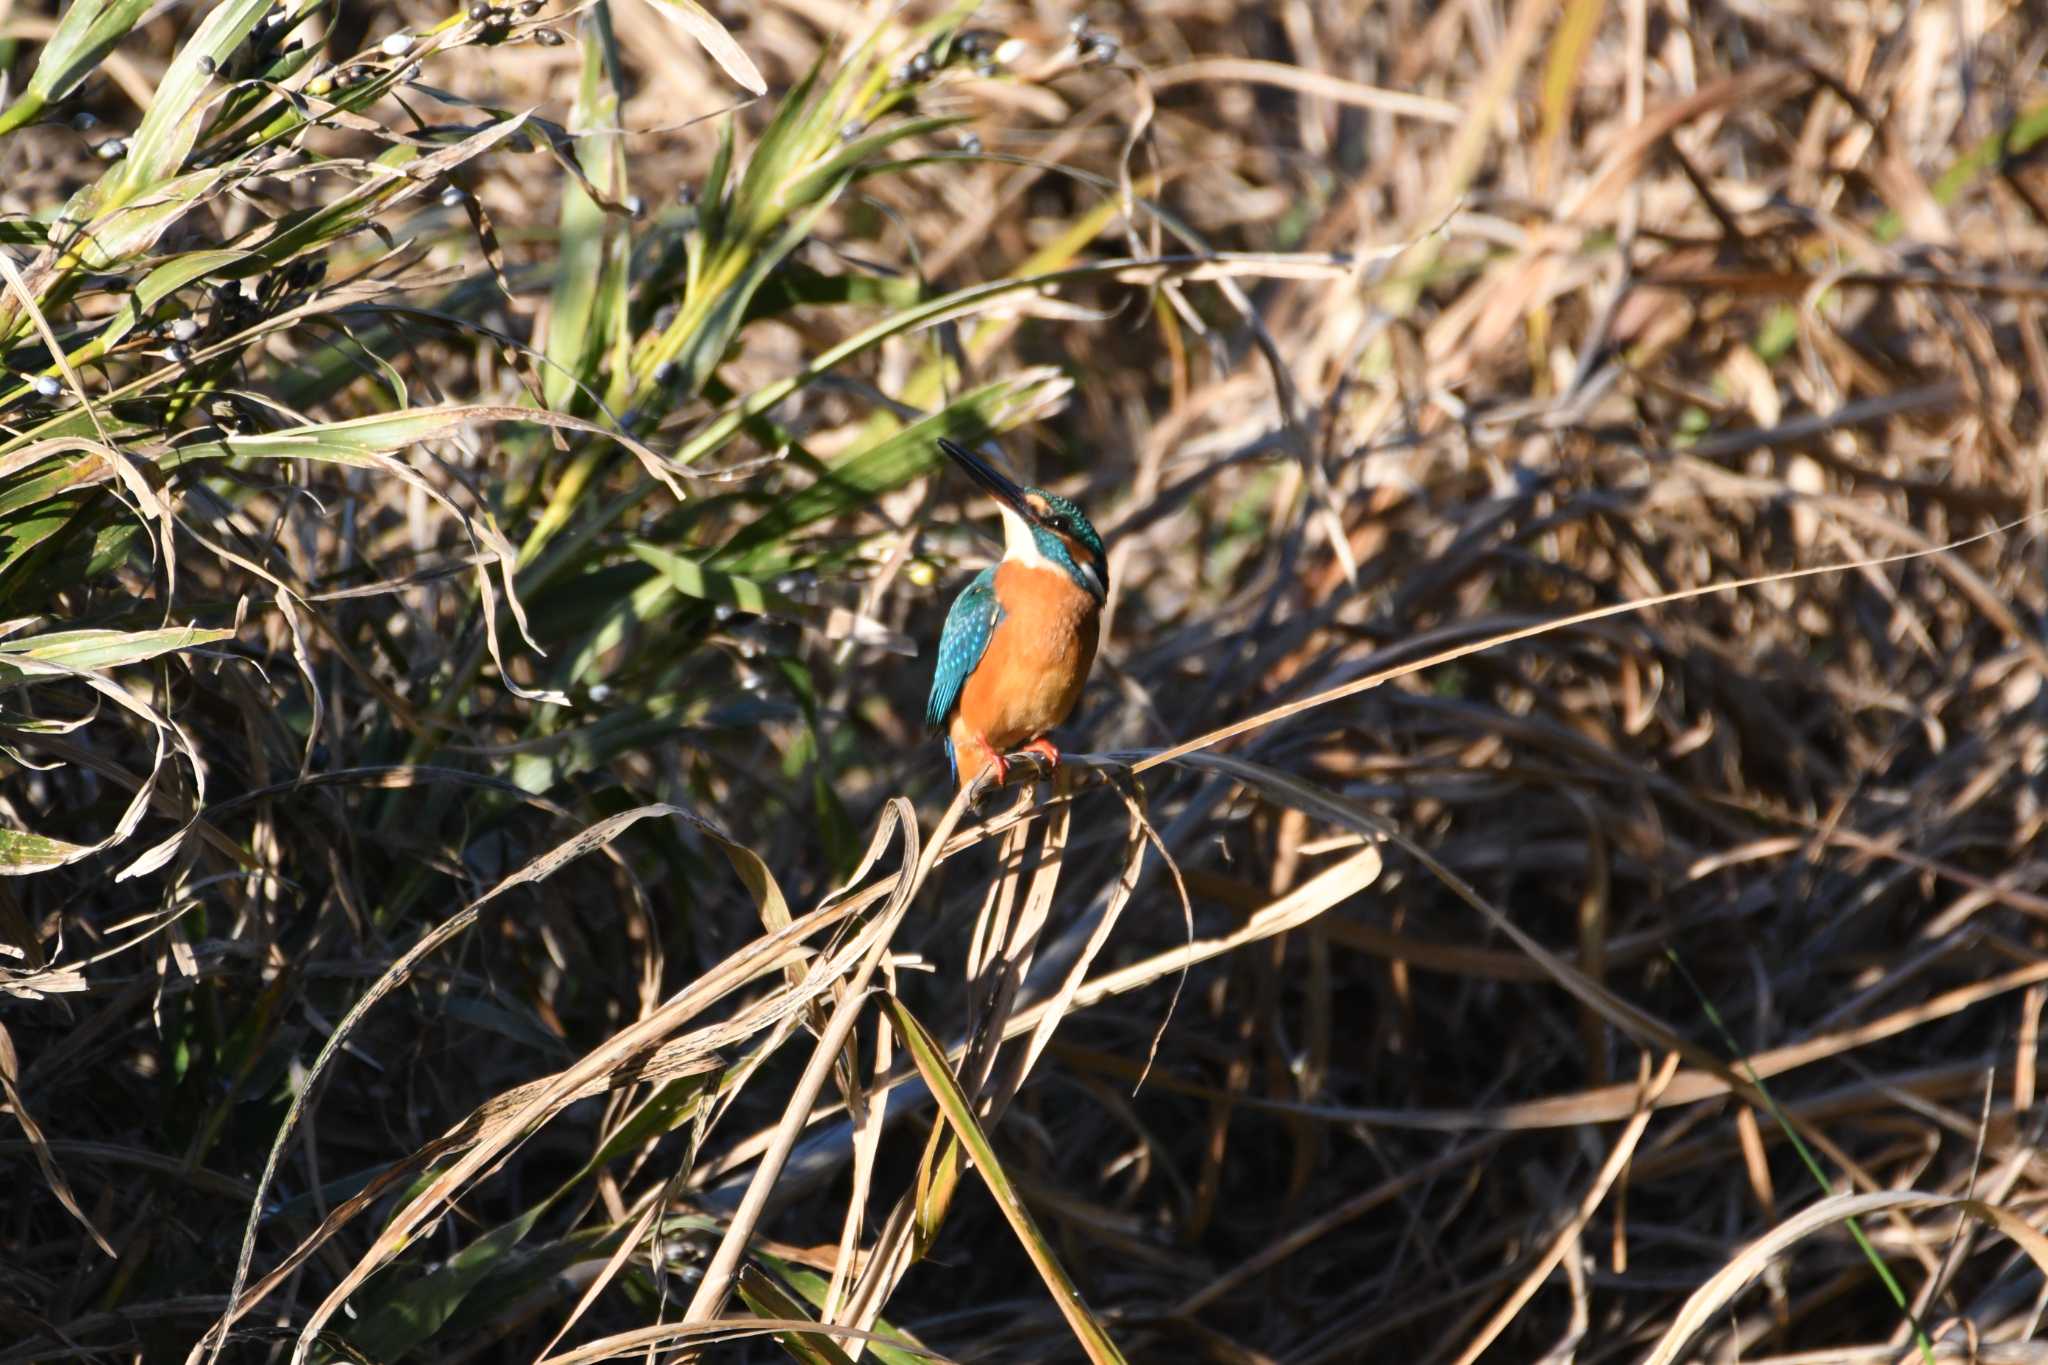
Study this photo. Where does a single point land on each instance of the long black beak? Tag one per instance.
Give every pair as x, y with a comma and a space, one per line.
1003, 488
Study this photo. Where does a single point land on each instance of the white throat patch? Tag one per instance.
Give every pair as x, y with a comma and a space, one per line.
1020, 546
1020, 543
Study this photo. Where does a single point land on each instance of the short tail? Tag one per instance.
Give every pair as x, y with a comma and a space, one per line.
963, 777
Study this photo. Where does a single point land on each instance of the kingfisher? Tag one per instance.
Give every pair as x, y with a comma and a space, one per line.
1021, 637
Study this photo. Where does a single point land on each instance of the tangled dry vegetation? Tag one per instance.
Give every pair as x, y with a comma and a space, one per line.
478, 889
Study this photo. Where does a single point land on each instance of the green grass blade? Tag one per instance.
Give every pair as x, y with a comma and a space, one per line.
22, 852
359, 439
856, 480
814, 1287
832, 174
416, 1312
171, 126
588, 304
959, 1111
158, 285
85, 35
768, 1299
712, 326
706, 584
95, 650
1806, 1157
711, 203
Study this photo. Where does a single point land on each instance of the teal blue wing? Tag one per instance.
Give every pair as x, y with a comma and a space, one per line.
969, 625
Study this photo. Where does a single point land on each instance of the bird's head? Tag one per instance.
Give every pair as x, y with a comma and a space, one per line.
1040, 527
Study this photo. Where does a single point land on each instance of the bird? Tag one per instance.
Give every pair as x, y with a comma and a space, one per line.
1021, 637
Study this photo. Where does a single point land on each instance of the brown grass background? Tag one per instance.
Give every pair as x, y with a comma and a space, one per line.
1504, 310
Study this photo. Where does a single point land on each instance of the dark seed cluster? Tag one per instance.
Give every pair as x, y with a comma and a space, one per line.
495, 23
1096, 47
979, 49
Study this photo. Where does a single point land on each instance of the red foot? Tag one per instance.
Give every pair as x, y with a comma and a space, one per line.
1044, 749
995, 760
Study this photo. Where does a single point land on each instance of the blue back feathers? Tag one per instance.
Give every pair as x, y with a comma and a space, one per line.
969, 625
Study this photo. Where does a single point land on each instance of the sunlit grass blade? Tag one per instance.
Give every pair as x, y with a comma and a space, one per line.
87, 32
587, 308
889, 1344
22, 852
856, 479
953, 1103
698, 23
767, 1298
744, 594
171, 126
98, 649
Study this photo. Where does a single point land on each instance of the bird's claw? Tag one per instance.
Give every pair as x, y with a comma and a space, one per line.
1039, 755
1044, 749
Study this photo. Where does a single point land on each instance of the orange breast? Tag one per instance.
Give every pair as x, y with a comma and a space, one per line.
1032, 673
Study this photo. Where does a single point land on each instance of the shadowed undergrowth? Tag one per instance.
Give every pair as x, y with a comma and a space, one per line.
470, 531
